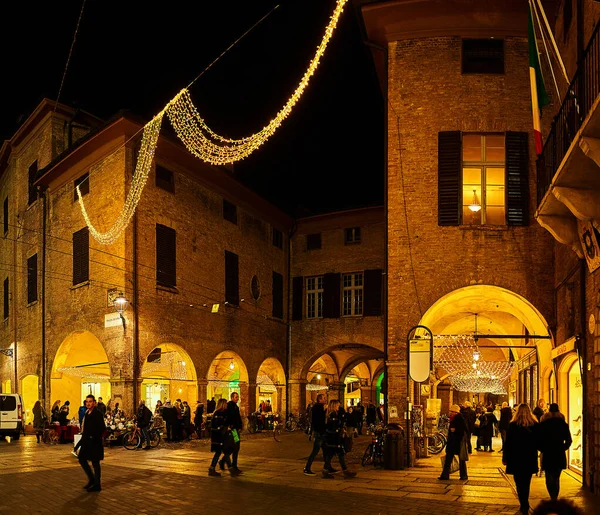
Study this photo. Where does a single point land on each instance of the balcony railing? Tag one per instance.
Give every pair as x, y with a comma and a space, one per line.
582, 92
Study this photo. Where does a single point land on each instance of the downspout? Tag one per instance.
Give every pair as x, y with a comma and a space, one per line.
44, 243
136, 332
384, 282
288, 347
13, 310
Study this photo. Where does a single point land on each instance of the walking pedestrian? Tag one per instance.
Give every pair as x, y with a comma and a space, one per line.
360, 412
186, 414
540, 409
170, 418
318, 432
468, 414
210, 406
334, 439
506, 415
198, 414
39, 419
371, 414
144, 415
520, 452
554, 440
218, 434
487, 429
54, 412
457, 445
91, 446
234, 421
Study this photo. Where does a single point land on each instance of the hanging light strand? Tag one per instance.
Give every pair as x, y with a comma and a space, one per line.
213, 148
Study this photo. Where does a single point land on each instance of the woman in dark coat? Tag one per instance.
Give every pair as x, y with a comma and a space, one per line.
91, 447
505, 417
487, 431
218, 433
554, 440
520, 452
39, 419
334, 439
457, 431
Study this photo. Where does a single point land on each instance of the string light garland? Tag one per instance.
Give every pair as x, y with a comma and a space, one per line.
169, 361
82, 373
213, 148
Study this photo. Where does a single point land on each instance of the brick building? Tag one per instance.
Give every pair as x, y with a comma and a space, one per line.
204, 264
465, 252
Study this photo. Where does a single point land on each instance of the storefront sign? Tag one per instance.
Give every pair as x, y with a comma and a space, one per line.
113, 320
420, 353
568, 346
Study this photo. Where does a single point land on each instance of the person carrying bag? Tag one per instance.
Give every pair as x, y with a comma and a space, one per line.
457, 446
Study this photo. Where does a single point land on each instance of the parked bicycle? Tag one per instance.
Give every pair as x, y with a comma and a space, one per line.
294, 422
134, 439
374, 452
271, 423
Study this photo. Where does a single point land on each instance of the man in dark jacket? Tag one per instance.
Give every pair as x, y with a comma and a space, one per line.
198, 419
468, 414
101, 407
234, 421
359, 417
318, 431
210, 406
91, 446
144, 415
371, 414
456, 433
505, 418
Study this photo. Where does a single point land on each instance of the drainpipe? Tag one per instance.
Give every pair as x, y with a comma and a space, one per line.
44, 243
13, 311
136, 332
288, 348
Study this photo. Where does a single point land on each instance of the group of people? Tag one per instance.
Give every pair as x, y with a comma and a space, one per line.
525, 434
177, 418
329, 430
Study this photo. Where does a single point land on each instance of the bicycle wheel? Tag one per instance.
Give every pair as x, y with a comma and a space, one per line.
277, 432
291, 425
437, 444
367, 458
251, 427
378, 457
131, 441
154, 438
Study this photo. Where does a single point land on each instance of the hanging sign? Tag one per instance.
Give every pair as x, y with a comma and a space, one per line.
568, 346
420, 353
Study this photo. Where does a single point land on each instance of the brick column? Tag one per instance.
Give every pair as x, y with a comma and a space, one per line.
202, 391
297, 395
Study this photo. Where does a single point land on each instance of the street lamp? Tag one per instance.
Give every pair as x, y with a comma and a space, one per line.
121, 303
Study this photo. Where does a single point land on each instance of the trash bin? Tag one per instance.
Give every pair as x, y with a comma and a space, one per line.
394, 448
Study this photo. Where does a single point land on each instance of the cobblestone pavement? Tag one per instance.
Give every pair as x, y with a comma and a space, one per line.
173, 479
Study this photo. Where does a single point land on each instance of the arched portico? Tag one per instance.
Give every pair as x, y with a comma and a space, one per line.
228, 373
80, 368
169, 373
270, 384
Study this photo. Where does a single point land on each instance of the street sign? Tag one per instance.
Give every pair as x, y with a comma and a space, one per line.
420, 353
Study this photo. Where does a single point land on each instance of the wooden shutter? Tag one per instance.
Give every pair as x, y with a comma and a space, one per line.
32, 295
373, 280
331, 295
166, 256
6, 215
517, 178
6, 298
449, 174
297, 297
81, 256
277, 295
232, 283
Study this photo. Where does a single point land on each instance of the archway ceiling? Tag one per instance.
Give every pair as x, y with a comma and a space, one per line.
82, 348
272, 368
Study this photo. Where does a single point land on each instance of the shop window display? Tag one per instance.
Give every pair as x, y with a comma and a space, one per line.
576, 418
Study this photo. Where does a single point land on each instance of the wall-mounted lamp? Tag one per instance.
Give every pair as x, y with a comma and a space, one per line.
231, 365
121, 303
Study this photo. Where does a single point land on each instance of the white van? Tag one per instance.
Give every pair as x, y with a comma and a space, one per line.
11, 415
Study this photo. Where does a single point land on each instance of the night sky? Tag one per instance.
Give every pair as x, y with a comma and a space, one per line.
137, 55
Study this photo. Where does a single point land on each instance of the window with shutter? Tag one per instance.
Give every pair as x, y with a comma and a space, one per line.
449, 172
84, 186
5, 216
6, 298
483, 179
165, 179
232, 283
32, 190
277, 238
277, 295
331, 295
352, 285
297, 296
229, 212
314, 297
517, 178
166, 256
373, 292
81, 256
32, 294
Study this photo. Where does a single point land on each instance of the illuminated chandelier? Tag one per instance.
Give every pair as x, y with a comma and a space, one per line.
200, 140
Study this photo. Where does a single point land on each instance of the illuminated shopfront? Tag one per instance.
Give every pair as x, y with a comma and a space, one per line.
575, 417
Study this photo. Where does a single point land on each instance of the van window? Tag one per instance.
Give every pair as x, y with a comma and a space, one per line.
8, 403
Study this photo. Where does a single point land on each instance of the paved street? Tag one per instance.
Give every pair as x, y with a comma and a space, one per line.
173, 479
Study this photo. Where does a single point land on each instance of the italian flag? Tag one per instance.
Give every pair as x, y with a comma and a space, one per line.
539, 96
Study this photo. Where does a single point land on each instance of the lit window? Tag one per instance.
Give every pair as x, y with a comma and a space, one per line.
483, 180
314, 297
352, 294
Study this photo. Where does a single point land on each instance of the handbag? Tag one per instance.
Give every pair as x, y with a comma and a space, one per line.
463, 453
228, 442
453, 466
477, 423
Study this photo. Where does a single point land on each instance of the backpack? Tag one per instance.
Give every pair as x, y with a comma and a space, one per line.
482, 421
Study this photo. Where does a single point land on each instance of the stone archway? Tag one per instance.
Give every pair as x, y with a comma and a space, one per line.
270, 384
226, 374
80, 368
169, 373
490, 312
